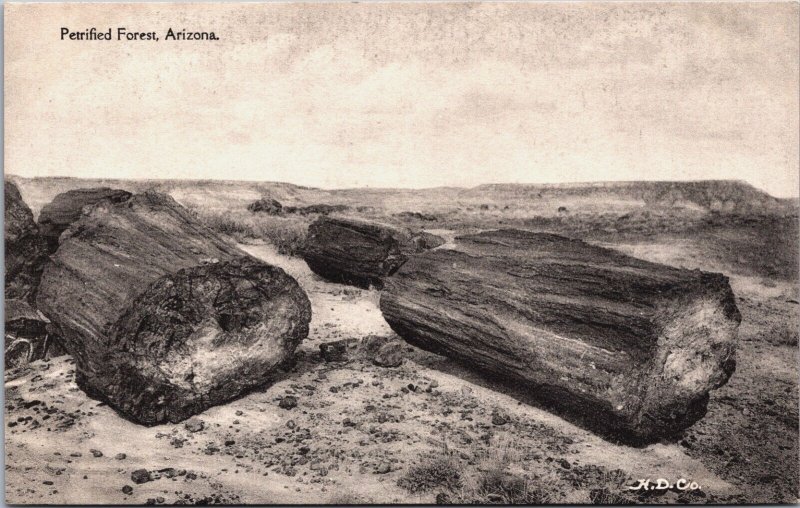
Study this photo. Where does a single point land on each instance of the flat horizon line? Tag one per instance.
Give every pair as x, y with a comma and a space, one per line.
594, 183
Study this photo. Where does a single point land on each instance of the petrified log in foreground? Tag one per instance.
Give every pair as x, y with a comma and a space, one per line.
25, 248
620, 343
67, 207
163, 317
361, 252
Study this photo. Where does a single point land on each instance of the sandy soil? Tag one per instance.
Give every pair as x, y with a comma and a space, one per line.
358, 428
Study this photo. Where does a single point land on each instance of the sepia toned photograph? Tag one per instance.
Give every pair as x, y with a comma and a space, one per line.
536, 253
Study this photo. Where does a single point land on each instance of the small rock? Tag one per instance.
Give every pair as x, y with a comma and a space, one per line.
120, 456
337, 351
194, 425
389, 354
96, 453
499, 419
288, 402
383, 468
141, 476
127, 490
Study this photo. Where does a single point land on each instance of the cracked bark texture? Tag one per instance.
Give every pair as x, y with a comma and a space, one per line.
164, 317
67, 207
361, 252
25, 250
624, 345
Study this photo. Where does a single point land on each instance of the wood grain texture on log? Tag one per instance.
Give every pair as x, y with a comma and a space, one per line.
25, 248
361, 252
56, 216
354, 251
163, 316
629, 345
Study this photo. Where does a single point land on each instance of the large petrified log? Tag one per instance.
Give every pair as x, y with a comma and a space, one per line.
360, 252
56, 216
164, 317
25, 248
619, 343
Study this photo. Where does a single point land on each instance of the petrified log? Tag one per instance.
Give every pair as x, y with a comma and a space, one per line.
25, 248
354, 251
164, 317
422, 241
617, 342
67, 207
322, 209
266, 205
360, 252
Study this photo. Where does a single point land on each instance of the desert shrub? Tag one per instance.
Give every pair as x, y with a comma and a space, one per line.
607, 496
348, 498
227, 226
432, 473
498, 486
783, 334
286, 234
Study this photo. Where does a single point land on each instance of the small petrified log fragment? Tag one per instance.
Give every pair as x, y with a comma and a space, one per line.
266, 205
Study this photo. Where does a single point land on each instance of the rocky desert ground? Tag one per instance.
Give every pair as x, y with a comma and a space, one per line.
353, 428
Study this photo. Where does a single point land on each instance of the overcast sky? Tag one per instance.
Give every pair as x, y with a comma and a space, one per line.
411, 95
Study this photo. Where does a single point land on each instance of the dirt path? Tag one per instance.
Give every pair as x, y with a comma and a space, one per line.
357, 428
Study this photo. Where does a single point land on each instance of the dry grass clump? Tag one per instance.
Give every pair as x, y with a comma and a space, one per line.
443, 472
286, 234
783, 334
491, 476
500, 486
